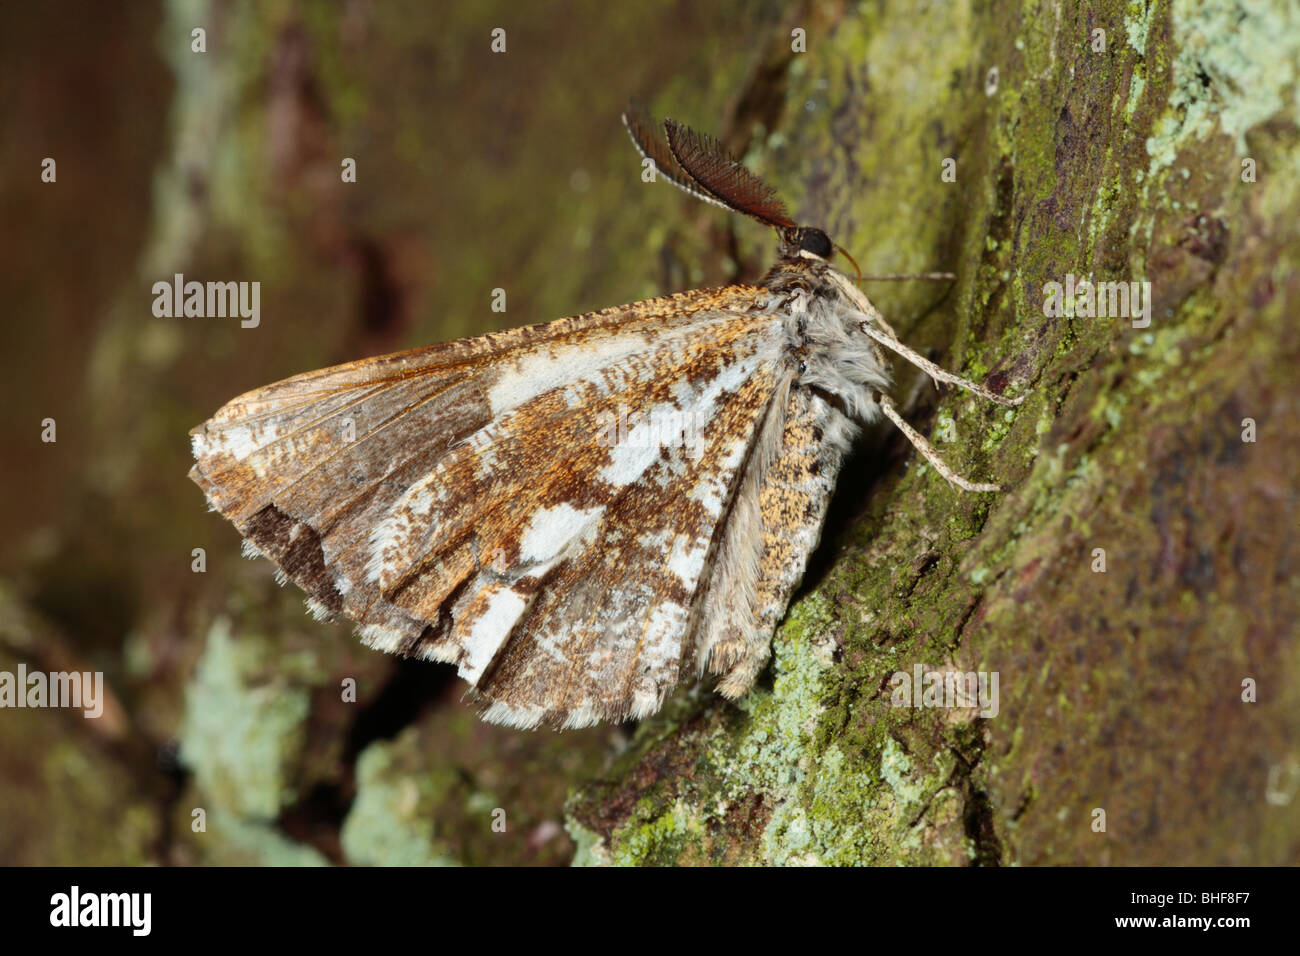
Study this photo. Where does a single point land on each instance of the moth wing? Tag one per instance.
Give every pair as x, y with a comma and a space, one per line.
593, 612
258, 444
459, 503
774, 525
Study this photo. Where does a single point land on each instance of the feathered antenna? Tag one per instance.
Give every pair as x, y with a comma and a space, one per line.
722, 176
647, 137
700, 165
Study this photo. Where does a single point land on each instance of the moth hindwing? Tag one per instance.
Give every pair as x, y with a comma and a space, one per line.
578, 515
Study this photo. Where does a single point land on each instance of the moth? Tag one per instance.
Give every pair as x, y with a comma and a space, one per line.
465, 503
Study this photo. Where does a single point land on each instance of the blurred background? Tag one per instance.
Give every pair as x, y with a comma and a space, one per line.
475, 170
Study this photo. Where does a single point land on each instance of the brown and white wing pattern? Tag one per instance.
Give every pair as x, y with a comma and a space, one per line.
774, 525
464, 503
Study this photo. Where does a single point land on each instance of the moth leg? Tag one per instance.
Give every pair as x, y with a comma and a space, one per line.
737, 681
901, 276
934, 371
880, 321
928, 451
896, 277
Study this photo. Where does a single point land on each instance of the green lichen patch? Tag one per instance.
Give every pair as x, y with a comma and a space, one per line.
392, 820
452, 790
213, 836
241, 733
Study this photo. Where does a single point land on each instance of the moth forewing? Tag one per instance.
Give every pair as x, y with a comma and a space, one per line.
466, 502
485, 525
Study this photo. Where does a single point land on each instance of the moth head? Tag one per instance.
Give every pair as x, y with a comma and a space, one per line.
807, 239
811, 241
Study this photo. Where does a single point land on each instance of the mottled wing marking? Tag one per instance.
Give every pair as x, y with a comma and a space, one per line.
561, 529
475, 478
776, 525
591, 651
274, 460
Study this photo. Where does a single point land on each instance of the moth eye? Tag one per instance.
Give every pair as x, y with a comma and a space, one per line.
816, 242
